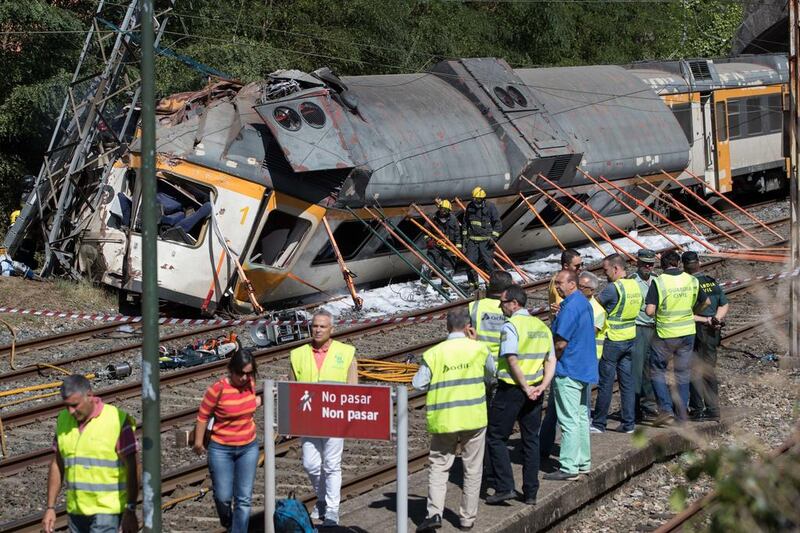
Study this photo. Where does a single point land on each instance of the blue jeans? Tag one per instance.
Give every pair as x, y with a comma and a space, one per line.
233, 472
615, 363
680, 350
98, 523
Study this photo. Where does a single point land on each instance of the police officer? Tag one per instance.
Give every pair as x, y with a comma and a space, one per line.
704, 389
454, 373
645, 329
449, 226
488, 319
524, 370
324, 359
481, 227
671, 298
622, 300
95, 449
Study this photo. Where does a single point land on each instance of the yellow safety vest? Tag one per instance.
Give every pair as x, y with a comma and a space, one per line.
456, 399
334, 368
622, 319
95, 475
599, 334
487, 319
677, 296
534, 344
14, 216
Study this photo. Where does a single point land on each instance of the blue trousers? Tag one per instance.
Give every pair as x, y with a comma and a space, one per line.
98, 523
615, 363
233, 472
679, 350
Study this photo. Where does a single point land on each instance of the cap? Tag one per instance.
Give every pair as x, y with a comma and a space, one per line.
690, 257
646, 255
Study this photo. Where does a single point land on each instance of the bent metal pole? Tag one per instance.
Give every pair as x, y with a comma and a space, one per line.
632, 210
544, 224
346, 274
659, 215
717, 211
589, 208
734, 204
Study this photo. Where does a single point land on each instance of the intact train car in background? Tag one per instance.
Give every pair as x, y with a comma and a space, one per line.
250, 171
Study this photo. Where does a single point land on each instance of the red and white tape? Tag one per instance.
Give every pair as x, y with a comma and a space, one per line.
105, 317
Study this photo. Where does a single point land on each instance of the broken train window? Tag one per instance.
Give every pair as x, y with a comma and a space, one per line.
279, 239
184, 210
350, 236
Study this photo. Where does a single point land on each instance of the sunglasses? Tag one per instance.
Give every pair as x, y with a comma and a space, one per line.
579, 265
585, 288
507, 301
243, 373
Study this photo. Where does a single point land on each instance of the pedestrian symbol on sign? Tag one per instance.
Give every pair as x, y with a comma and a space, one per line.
305, 401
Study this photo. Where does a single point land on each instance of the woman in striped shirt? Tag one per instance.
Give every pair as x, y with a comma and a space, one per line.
233, 448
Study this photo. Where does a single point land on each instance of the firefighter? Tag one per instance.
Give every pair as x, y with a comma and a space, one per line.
438, 251
481, 228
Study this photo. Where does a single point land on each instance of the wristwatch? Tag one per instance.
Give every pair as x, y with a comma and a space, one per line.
130, 507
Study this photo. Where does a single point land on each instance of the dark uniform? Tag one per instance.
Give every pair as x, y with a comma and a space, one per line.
704, 389
438, 253
481, 226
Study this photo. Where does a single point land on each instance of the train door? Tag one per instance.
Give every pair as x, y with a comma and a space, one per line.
721, 143
709, 169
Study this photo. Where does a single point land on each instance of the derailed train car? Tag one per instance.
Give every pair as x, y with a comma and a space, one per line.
249, 171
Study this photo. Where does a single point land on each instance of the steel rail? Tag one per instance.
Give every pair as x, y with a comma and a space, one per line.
273, 354
60, 338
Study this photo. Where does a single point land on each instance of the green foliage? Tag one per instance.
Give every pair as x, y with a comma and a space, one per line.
751, 493
250, 38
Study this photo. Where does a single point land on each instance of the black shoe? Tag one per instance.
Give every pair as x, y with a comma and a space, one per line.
698, 415
500, 497
560, 475
529, 500
430, 523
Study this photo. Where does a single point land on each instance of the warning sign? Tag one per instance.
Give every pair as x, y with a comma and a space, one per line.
334, 410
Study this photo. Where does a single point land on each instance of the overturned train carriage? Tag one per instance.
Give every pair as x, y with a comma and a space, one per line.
249, 171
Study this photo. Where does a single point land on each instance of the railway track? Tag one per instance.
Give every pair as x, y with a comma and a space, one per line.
197, 473
19, 463
61, 339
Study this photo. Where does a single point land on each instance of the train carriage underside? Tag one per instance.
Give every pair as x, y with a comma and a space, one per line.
248, 172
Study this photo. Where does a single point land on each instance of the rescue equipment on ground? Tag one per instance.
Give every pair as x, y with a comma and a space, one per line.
198, 353
295, 328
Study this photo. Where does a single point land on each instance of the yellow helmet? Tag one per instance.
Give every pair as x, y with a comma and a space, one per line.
445, 204
478, 193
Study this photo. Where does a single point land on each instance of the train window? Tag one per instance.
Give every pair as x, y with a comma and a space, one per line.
517, 96
735, 119
409, 229
280, 239
775, 107
755, 113
312, 114
683, 114
719, 118
350, 236
185, 208
287, 117
504, 97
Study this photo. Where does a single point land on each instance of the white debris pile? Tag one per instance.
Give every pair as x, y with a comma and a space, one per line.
399, 298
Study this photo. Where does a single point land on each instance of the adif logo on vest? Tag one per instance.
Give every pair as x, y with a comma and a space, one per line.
493, 318
460, 366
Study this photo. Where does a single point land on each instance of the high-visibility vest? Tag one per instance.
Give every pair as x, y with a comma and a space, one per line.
456, 399
599, 316
487, 319
534, 342
95, 475
677, 296
622, 319
334, 368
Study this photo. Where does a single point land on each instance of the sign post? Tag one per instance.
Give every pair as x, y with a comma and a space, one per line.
269, 455
333, 410
402, 459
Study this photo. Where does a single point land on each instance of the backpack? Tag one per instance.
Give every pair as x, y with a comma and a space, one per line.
291, 516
